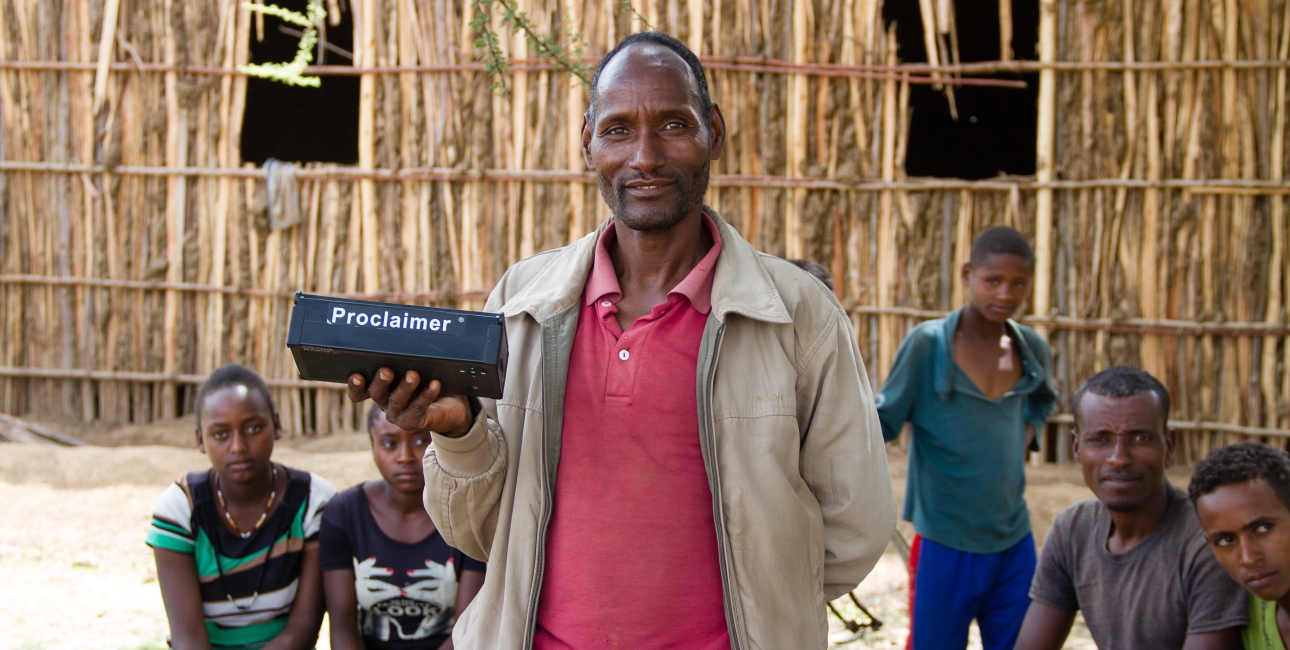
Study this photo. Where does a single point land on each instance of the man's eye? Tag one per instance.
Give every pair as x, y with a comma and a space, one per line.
219, 435
616, 130
674, 125
423, 442
1225, 540
1264, 527
388, 444
254, 428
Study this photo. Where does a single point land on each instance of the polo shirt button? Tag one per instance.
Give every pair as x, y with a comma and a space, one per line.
606, 304
624, 355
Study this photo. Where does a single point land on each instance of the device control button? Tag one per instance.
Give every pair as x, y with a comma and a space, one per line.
624, 355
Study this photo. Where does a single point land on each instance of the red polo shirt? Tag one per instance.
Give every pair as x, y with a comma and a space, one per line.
631, 557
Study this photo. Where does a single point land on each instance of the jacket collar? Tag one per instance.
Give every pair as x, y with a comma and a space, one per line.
944, 378
741, 283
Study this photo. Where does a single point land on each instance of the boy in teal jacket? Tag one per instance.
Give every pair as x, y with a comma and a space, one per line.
976, 386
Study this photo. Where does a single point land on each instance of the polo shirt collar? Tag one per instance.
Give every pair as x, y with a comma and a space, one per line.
602, 283
741, 284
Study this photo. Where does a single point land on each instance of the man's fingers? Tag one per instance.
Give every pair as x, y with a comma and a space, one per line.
379, 389
401, 395
357, 388
421, 403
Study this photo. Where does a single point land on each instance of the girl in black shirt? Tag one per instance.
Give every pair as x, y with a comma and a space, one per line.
390, 580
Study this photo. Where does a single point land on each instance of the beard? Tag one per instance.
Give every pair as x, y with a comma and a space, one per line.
689, 195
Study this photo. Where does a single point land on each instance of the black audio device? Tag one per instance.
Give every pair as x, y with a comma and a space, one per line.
333, 338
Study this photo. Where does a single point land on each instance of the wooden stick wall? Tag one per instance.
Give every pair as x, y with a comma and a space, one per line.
1135, 267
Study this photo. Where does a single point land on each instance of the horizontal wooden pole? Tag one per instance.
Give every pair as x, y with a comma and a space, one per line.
351, 71
158, 377
1200, 186
902, 72
1189, 425
1166, 327
105, 283
146, 377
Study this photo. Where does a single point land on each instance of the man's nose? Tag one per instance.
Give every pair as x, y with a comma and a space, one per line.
1119, 456
649, 152
237, 442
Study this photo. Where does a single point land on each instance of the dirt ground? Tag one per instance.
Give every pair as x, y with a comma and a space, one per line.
74, 572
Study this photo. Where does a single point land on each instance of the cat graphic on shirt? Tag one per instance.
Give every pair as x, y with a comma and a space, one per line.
426, 604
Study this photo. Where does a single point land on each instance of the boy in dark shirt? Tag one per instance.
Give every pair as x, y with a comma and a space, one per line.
975, 385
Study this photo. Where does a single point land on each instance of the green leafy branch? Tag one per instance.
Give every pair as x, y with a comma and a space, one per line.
291, 73
566, 55
628, 8
489, 46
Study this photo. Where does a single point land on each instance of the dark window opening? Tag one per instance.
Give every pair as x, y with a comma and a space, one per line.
299, 123
996, 127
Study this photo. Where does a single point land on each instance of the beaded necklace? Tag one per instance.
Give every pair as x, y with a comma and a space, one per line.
273, 493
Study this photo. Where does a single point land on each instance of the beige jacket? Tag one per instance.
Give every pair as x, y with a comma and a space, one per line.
802, 499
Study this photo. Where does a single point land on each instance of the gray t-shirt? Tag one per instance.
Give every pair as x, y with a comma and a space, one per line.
1153, 596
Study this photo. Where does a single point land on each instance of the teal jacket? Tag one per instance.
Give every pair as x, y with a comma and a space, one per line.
966, 480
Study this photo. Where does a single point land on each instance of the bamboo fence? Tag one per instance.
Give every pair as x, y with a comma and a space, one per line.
136, 254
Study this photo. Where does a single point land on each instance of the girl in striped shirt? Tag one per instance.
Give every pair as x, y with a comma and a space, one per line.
237, 545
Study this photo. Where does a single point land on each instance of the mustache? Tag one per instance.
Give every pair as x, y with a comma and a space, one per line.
621, 183
1121, 476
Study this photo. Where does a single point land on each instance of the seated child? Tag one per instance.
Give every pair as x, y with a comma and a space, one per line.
236, 545
1242, 497
392, 582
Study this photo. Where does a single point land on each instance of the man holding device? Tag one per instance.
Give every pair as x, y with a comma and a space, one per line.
686, 453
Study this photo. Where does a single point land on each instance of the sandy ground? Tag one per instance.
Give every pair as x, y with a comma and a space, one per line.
74, 572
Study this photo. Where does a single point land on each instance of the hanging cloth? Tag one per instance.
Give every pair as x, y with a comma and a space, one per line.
283, 193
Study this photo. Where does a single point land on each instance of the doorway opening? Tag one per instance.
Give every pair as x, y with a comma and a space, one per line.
995, 129
297, 123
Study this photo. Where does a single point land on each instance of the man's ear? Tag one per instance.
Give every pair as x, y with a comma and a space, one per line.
717, 127
277, 427
201, 446
1171, 441
1075, 443
587, 123
965, 273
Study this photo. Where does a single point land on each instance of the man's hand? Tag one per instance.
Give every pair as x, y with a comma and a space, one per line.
1229, 639
1044, 628
447, 415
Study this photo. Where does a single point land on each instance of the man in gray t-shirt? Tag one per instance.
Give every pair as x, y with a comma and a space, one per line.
1134, 560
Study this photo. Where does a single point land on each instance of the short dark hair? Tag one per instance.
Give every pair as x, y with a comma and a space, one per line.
1241, 462
1122, 381
1000, 240
234, 374
816, 269
664, 40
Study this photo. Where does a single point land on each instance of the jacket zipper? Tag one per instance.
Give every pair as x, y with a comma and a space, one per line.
707, 438
553, 382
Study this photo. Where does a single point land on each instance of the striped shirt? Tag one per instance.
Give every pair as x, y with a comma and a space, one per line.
247, 585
